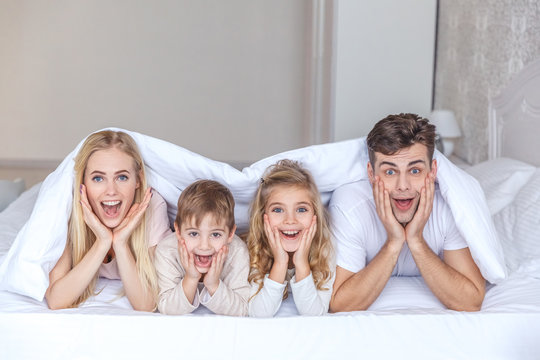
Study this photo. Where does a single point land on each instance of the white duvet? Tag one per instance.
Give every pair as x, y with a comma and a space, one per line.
171, 168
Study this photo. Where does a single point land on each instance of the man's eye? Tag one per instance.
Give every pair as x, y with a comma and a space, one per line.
277, 210
97, 179
122, 178
389, 172
415, 171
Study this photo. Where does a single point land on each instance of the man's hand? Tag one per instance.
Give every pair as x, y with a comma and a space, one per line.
415, 228
394, 230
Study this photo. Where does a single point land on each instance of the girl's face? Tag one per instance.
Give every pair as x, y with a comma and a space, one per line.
111, 180
290, 210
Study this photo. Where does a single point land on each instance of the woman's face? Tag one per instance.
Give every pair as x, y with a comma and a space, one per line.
111, 180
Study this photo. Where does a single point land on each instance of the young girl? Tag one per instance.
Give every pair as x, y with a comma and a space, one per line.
289, 241
109, 234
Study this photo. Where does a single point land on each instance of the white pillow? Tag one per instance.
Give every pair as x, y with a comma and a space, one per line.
518, 227
9, 191
501, 179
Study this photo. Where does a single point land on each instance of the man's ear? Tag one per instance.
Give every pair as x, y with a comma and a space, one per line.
231, 234
370, 173
433, 170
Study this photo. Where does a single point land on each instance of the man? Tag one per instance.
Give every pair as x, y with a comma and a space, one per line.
398, 224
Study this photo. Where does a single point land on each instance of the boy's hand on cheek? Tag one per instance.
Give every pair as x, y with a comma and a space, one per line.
211, 279
188, 261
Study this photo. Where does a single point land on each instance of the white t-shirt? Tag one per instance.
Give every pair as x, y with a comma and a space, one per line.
360, 234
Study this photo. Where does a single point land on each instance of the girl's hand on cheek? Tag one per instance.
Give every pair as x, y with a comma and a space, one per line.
211, 279
187, 260
274, 240
103, 234
301, 256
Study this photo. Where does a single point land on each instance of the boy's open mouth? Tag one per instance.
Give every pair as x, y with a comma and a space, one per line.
111, 208
203, 260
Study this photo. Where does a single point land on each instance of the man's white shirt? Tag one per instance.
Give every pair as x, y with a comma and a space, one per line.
359, 233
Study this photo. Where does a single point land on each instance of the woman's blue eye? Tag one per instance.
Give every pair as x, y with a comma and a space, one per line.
277, 210
390, 172
97, 179
122, 177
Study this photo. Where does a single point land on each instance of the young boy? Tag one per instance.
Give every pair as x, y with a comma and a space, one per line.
203, 262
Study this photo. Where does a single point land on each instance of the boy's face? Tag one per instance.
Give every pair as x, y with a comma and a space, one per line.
205, 240
403, 175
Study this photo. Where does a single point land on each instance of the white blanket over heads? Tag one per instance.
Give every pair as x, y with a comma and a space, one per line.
171, 168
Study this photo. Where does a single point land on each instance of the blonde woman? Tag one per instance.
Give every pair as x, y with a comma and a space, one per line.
115, 224
289, 241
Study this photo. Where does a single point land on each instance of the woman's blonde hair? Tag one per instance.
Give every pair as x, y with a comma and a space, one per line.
81, 238
287, 173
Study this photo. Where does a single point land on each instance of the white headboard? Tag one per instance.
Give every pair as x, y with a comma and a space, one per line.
514, 118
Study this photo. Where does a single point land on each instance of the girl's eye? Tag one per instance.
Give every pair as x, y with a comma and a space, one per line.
122, 178
97, 179
277, 210
389, 172
302, 209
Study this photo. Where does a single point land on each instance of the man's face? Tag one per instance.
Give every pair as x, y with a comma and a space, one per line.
403, 175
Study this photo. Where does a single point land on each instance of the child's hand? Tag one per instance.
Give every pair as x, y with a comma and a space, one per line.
122, 232
188, 261
104, 235
274, 240
301, 255
211, 279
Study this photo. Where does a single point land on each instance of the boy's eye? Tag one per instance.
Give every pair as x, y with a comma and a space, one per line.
277, 210
122, 178
216, 235
193, 233
97, 179
389, 172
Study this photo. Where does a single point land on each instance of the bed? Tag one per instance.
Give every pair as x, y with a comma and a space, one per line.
406, 322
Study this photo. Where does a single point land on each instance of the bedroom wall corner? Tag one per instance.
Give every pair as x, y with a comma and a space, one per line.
481, 46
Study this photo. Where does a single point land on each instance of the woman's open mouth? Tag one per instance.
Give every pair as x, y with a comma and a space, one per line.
111, 208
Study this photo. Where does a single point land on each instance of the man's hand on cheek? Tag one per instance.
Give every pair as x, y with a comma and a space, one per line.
394, 230
415, 228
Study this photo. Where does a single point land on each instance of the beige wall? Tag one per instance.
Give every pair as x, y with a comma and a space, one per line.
225, 79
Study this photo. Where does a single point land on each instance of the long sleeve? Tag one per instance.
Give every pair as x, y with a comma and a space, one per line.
268, 301
309, 300
232, 294
172, 299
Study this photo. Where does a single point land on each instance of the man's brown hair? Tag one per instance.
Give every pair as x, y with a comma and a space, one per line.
205, 197
397, 132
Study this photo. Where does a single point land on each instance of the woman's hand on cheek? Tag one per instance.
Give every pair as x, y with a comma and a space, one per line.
103, 234
301, 255
211, 279
122, 232
274, 240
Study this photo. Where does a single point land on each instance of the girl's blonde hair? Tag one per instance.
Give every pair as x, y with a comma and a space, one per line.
288, 173
81, 238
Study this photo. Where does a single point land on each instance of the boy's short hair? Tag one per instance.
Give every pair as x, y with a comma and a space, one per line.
205, 197
397, 132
